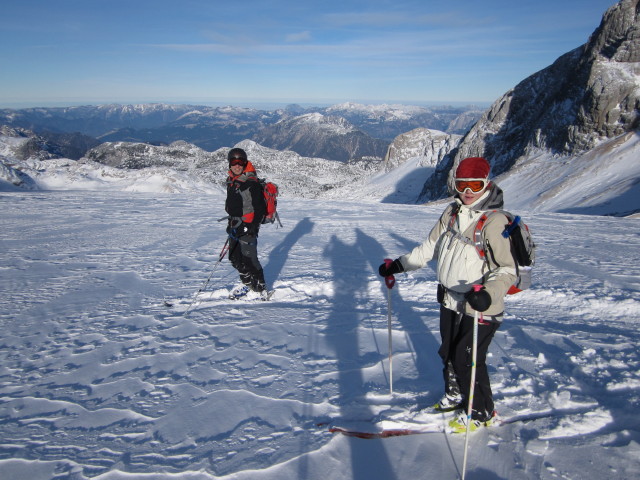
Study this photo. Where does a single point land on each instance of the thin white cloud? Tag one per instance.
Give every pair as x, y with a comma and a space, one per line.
398, 19
298, 37
224, 49
382, 45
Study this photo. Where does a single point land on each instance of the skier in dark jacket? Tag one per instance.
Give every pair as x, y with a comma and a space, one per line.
246, 208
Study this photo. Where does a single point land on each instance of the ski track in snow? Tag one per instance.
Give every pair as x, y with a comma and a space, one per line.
99, 379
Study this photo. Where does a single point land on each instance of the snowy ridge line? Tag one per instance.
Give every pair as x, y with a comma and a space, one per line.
35, 410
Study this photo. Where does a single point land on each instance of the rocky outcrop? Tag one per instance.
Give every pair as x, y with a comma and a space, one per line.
432, 145
179, 155
589, 94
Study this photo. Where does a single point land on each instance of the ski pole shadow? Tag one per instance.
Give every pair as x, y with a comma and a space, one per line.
280, 253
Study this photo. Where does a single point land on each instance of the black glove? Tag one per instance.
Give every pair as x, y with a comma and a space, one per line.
480, 300
246, 229
393, 268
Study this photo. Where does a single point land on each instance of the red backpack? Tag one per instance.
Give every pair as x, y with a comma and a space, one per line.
270, 191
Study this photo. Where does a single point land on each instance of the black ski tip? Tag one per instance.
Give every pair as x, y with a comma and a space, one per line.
167, 303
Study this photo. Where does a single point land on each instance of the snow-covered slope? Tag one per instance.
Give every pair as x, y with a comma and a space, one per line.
100, 380
602, 181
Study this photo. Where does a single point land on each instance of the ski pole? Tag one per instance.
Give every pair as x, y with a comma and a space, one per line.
389, 281
474, 354
223, 252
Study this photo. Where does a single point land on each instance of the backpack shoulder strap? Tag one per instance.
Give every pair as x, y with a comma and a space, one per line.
478, 241
477, 233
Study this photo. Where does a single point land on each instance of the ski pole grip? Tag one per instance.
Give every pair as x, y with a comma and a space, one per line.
477, 288
389, 281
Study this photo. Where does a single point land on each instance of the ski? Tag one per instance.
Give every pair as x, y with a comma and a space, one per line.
425, 421
394, 426
385, 433
252, 296
218, 296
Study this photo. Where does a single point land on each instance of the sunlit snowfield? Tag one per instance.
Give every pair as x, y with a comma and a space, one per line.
99, 378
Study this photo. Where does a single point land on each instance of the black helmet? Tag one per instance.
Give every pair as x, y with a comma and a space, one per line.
237, 154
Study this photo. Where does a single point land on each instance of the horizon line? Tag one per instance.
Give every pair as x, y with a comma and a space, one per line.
279, 103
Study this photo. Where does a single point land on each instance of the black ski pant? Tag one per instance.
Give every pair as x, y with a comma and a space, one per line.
456, 331
243, 254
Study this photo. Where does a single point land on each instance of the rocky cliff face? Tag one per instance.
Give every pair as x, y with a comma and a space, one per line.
179, 155
589, 94
432, 145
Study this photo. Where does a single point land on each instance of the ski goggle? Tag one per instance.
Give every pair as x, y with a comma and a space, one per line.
237, 161
476, 185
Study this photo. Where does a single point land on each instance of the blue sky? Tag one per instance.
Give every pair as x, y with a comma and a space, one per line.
68, 52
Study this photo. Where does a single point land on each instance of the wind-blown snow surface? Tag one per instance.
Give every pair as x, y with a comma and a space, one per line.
99, 379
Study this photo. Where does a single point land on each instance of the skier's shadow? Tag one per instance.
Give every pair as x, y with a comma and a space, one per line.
350, 278
278, 256
352, 267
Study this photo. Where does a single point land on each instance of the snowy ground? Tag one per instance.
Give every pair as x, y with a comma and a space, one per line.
99, 379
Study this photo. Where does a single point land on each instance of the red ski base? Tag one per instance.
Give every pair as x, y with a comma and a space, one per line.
371, 435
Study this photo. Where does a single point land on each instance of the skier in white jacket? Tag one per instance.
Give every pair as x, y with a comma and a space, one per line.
452, 242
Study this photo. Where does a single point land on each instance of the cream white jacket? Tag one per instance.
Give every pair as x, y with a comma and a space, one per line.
459, 266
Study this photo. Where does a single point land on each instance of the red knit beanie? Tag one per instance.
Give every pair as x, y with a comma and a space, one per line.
473, 167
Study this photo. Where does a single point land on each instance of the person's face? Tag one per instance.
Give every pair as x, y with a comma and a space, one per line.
470, 190
468, 197
236, 169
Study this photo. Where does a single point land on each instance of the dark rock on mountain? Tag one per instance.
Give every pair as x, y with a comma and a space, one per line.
69, 145
48, 145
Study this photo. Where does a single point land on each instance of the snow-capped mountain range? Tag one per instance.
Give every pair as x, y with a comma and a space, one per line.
341, 132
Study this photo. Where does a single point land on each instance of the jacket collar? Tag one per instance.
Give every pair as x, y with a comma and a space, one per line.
243, 177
